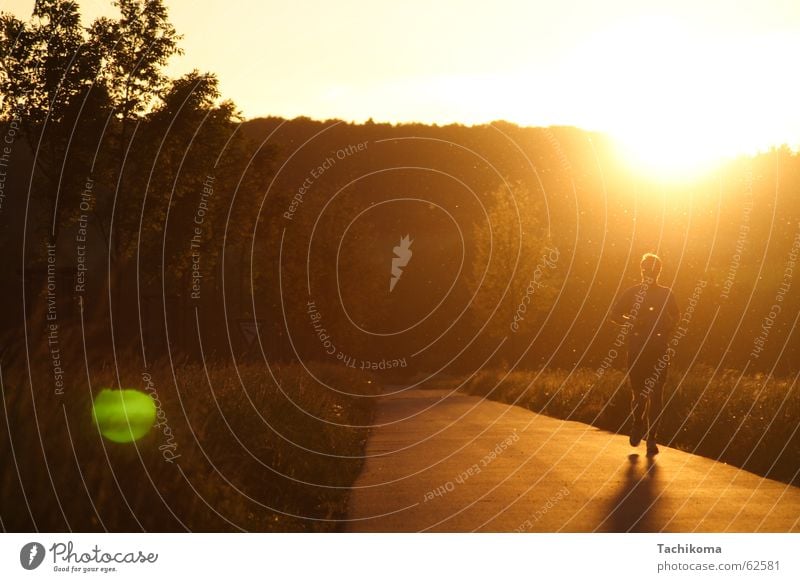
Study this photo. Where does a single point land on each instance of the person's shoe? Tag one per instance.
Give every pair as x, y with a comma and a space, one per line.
636, 435
652, 448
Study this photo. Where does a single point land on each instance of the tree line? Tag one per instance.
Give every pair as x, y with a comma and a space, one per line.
198, 228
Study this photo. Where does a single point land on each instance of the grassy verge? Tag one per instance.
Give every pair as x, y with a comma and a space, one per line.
751, 422
233, 449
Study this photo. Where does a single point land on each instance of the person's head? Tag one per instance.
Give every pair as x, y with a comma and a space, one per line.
651, 266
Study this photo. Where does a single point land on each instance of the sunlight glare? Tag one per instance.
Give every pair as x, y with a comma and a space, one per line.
678, 100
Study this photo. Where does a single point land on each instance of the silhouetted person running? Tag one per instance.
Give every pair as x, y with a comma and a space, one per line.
649, 312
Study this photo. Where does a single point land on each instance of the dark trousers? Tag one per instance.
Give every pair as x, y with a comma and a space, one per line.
647, 371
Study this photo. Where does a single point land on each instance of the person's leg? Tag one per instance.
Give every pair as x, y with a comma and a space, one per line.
656, 406
638, 398
636, 376
655, 409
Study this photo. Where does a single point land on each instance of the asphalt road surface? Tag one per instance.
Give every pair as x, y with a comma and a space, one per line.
441, 461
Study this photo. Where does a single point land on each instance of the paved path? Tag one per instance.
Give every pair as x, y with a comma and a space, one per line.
450, 462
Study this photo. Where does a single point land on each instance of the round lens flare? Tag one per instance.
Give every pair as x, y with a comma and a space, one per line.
123, 416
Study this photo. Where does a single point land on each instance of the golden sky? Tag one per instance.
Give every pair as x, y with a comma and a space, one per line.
717, 75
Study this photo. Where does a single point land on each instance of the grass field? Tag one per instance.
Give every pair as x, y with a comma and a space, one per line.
232, 450
235, 448
751, 421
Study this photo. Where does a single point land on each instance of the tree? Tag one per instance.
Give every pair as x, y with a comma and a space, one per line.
514, 266
137, 47
49, 82
95, 102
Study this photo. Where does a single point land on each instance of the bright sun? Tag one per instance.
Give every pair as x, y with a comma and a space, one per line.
671, 151
677, 100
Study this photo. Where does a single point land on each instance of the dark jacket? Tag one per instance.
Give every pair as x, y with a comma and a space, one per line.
652, 312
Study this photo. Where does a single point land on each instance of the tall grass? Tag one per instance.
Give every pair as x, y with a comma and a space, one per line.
750, 421
255, 453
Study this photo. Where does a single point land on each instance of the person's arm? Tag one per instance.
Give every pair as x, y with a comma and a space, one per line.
673, 312
621, 309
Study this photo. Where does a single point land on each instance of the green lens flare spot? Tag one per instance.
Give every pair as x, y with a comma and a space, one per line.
123, 416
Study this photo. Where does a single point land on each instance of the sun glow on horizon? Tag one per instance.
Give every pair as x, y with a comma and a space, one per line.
679, 100
679, 86
676, 98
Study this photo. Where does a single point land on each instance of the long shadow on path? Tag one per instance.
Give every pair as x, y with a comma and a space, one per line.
633, 507
425, 438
